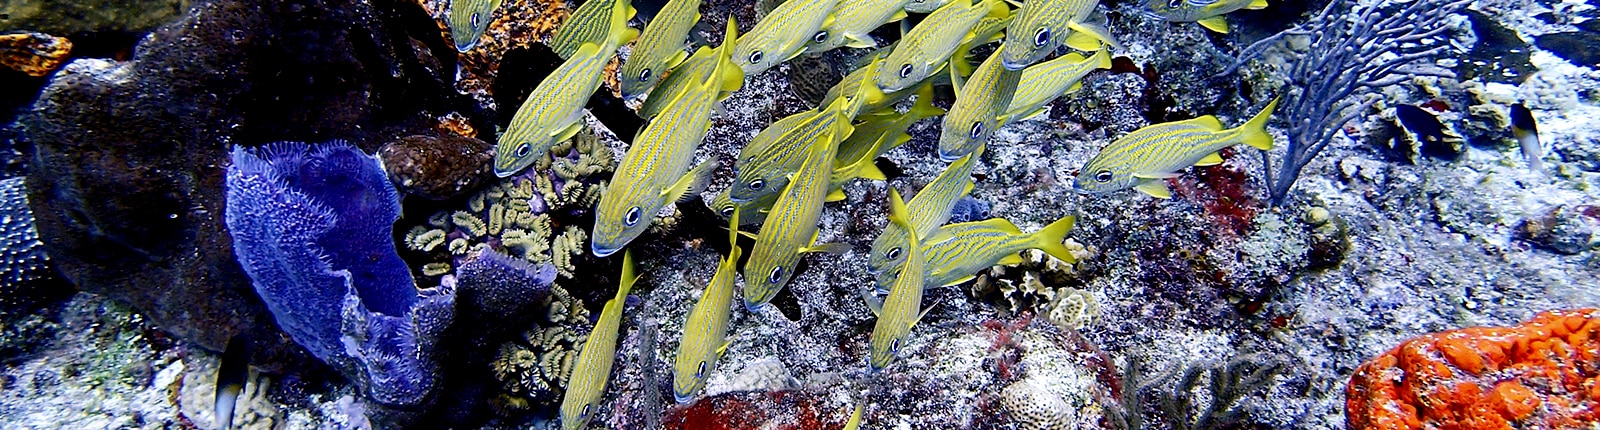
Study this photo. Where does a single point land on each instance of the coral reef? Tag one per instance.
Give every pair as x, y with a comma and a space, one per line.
126, 180
35, 54
516, 25
775, 410
533, 369
89, 16
311, 228
436, 167
1541, 373
1566, 230
1042, 283
1033, 408
1225, 385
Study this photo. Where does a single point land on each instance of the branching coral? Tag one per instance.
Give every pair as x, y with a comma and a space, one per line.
1544, 373
1225, 385
1353, 47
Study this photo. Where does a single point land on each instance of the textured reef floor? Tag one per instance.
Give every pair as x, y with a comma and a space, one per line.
1375, 246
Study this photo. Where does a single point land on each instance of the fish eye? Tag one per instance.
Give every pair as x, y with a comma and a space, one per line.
1174, 3
522, 150
474, 19
977, 130
585, 413
821, 36
905, 70
1042, 37
894, 253
1102, 176
702, 372
633, 216
777, 273
894, 346
757, 185
755, 57
727, 211
644, 75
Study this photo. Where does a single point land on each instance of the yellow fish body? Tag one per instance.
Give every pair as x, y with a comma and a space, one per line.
659, 48
1145, 158
651, 174
929, 209
597, 21
852, 20
468, 19
1208, 13
587, 383
768, 171
790, 229
770, 135
929, 45
782, 34
552, 113
973, 246
903, 308
679, 80
976, 112
1041, 26
705, 331
1044, 82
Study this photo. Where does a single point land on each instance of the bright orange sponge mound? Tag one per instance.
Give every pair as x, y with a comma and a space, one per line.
1544, 373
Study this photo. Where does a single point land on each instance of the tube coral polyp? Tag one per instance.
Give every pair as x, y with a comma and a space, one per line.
1544, 373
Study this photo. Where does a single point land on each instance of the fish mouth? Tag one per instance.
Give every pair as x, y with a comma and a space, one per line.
464, 47
1080, 190
948, 157
503, 173
1012, 65
753, 307
682, 399
602, 251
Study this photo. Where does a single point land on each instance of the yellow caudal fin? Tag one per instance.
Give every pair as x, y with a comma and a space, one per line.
1254, 132
731, 74
621, 32
834, 196
1102, 59
629, 275
1215, 23
898, 214
1257, 4
1049, 239
733, 235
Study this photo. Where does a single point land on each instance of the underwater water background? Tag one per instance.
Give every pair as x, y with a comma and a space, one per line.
1041, 214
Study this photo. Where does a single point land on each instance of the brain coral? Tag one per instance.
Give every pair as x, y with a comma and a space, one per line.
1544, 373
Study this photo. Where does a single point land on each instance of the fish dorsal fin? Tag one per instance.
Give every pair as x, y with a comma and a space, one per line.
1215, 23
1257, 4
1208, 122
1155, 188
835, 195
1211, 159
1001, 224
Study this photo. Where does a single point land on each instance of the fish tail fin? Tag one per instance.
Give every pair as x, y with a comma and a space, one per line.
924, 108
1096, 32
997, 8
731, 74
733, 236
1254, 132
1102, 59
898, 214
620, 30
1049, 239
629, 275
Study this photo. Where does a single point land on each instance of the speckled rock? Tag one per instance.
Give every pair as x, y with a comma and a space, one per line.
88, 16
1567, 230
436, 167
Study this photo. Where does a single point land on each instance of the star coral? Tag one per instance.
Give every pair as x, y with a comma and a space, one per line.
1544, 373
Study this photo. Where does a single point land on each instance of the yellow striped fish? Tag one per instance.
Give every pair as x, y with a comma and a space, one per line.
770, 135
1041, 26
705, 332
677, 81
924, 6
903, 308
855, 417
587, 383
790, 229
974, 246
852, 20
782, 34
468, 19
651, 174
876, 100
1044, 82
861, 168
659, 48
1145, 158
768, 171
930, 208
929, 45
989, 29
595, 21
552, 113
976, 112
881, 132
1206, 12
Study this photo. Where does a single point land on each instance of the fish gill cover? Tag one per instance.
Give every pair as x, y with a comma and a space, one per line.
311, 227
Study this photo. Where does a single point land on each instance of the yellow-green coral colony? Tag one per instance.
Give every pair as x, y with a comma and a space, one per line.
786, 173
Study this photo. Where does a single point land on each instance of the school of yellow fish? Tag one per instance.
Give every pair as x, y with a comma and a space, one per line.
786, 174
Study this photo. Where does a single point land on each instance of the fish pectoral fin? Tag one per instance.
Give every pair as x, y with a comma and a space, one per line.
724, 348
900, 14
835, 195
873, 302
1210, 160
677, 59
957, 79
925, 312
1096, 31
691, 184
571, 130
1031, 115
855, 41
1155, 188
1215, 23
827, 248
1083, 41
1257, 4
1075, 87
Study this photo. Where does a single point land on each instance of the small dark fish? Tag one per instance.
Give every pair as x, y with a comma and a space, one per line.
1527, 133
231, 375
1430, 133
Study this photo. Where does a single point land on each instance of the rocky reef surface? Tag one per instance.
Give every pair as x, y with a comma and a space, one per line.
1212, 309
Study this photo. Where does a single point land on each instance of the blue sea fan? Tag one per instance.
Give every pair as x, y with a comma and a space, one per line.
311, 225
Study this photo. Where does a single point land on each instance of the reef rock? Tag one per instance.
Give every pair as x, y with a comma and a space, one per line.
79, 16
437, 167
126, 182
